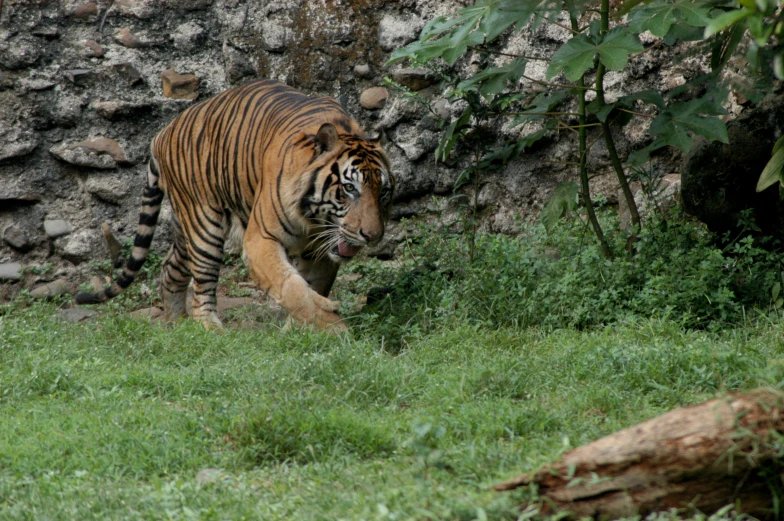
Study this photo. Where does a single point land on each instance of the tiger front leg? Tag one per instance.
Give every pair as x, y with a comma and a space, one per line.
271, 270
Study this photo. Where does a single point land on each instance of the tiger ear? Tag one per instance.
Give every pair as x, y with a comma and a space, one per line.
327, 137
380, 139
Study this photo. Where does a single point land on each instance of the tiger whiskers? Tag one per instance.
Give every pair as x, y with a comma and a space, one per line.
325, 240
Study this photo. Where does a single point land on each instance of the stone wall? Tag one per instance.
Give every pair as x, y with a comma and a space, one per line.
85, 85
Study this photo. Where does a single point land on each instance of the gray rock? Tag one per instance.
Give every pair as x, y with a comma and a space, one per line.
10, 271
208, 476
363, 70
415, 78
374, 98
16, 238
79, 76
237, 64
128, 73
82, 245
20, 53
441, 108
188, 36
57, 228
51, 289
274, 36
395, 31
99, 152
77, 315
148, 313
18, 149
118, 110
110, 188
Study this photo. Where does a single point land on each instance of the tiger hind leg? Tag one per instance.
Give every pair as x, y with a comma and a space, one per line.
175, 278
206, 258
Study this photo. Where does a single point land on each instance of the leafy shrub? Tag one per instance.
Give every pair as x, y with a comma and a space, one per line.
562, 279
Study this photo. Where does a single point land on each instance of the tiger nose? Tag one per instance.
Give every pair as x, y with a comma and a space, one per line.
370, 236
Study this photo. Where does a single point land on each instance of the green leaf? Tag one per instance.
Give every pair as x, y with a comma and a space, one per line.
659, 15
563, 200
493, 79
723, 21
540, 106
771, 174
452, 133
576, 55
778, 146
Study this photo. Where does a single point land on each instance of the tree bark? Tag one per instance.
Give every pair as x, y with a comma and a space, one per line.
705, 456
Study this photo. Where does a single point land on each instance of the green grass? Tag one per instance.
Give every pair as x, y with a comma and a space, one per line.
114, 419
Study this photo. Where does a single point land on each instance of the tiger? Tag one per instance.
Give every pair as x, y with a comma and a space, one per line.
293, 175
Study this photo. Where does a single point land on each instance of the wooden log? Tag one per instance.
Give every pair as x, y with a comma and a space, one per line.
705, 456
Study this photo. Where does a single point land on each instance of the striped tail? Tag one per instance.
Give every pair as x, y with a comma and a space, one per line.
148, 219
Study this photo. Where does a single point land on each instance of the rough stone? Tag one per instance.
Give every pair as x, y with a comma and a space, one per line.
51, 289
188, 36
81, 246
415, 143
36, 84
149, 313
274, 36
190, 5
57, 228
180, 86
416, 78
16, 238
363, 70
127, 39
10, 271
396, 31
77, 315
142, 9
20, 53
209, 475
237, 64
441, 108
127, 72
79, 76
93, 49
374, 98
98, 152
117, 110
85, 10
18, 149
111, 188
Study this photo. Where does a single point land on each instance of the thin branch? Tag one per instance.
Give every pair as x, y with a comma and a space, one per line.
477, 48
103, 20
562, 26
641, 114
555, 162
561, 85
658, 43
541, 113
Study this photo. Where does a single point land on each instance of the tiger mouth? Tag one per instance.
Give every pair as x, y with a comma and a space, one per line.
345, 250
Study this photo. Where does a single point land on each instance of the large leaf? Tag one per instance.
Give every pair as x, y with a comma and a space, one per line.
540, 106
449, 37
563, 200
659, 15
724, 20
576, 56
492, 80
773, 170
453, 131
651, 97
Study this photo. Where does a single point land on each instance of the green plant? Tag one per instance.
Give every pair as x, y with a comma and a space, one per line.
598, 43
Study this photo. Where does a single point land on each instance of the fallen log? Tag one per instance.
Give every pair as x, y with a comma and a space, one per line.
724, 451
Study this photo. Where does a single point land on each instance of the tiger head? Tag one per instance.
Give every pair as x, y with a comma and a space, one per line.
350, 195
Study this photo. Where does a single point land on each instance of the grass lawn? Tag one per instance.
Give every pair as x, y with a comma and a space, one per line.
119, 418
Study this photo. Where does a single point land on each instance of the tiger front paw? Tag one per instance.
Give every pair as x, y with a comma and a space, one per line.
308, 307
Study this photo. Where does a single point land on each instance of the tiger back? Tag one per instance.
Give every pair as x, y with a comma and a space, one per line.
294, 175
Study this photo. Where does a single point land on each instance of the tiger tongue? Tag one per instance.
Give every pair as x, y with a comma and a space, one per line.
347, 250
